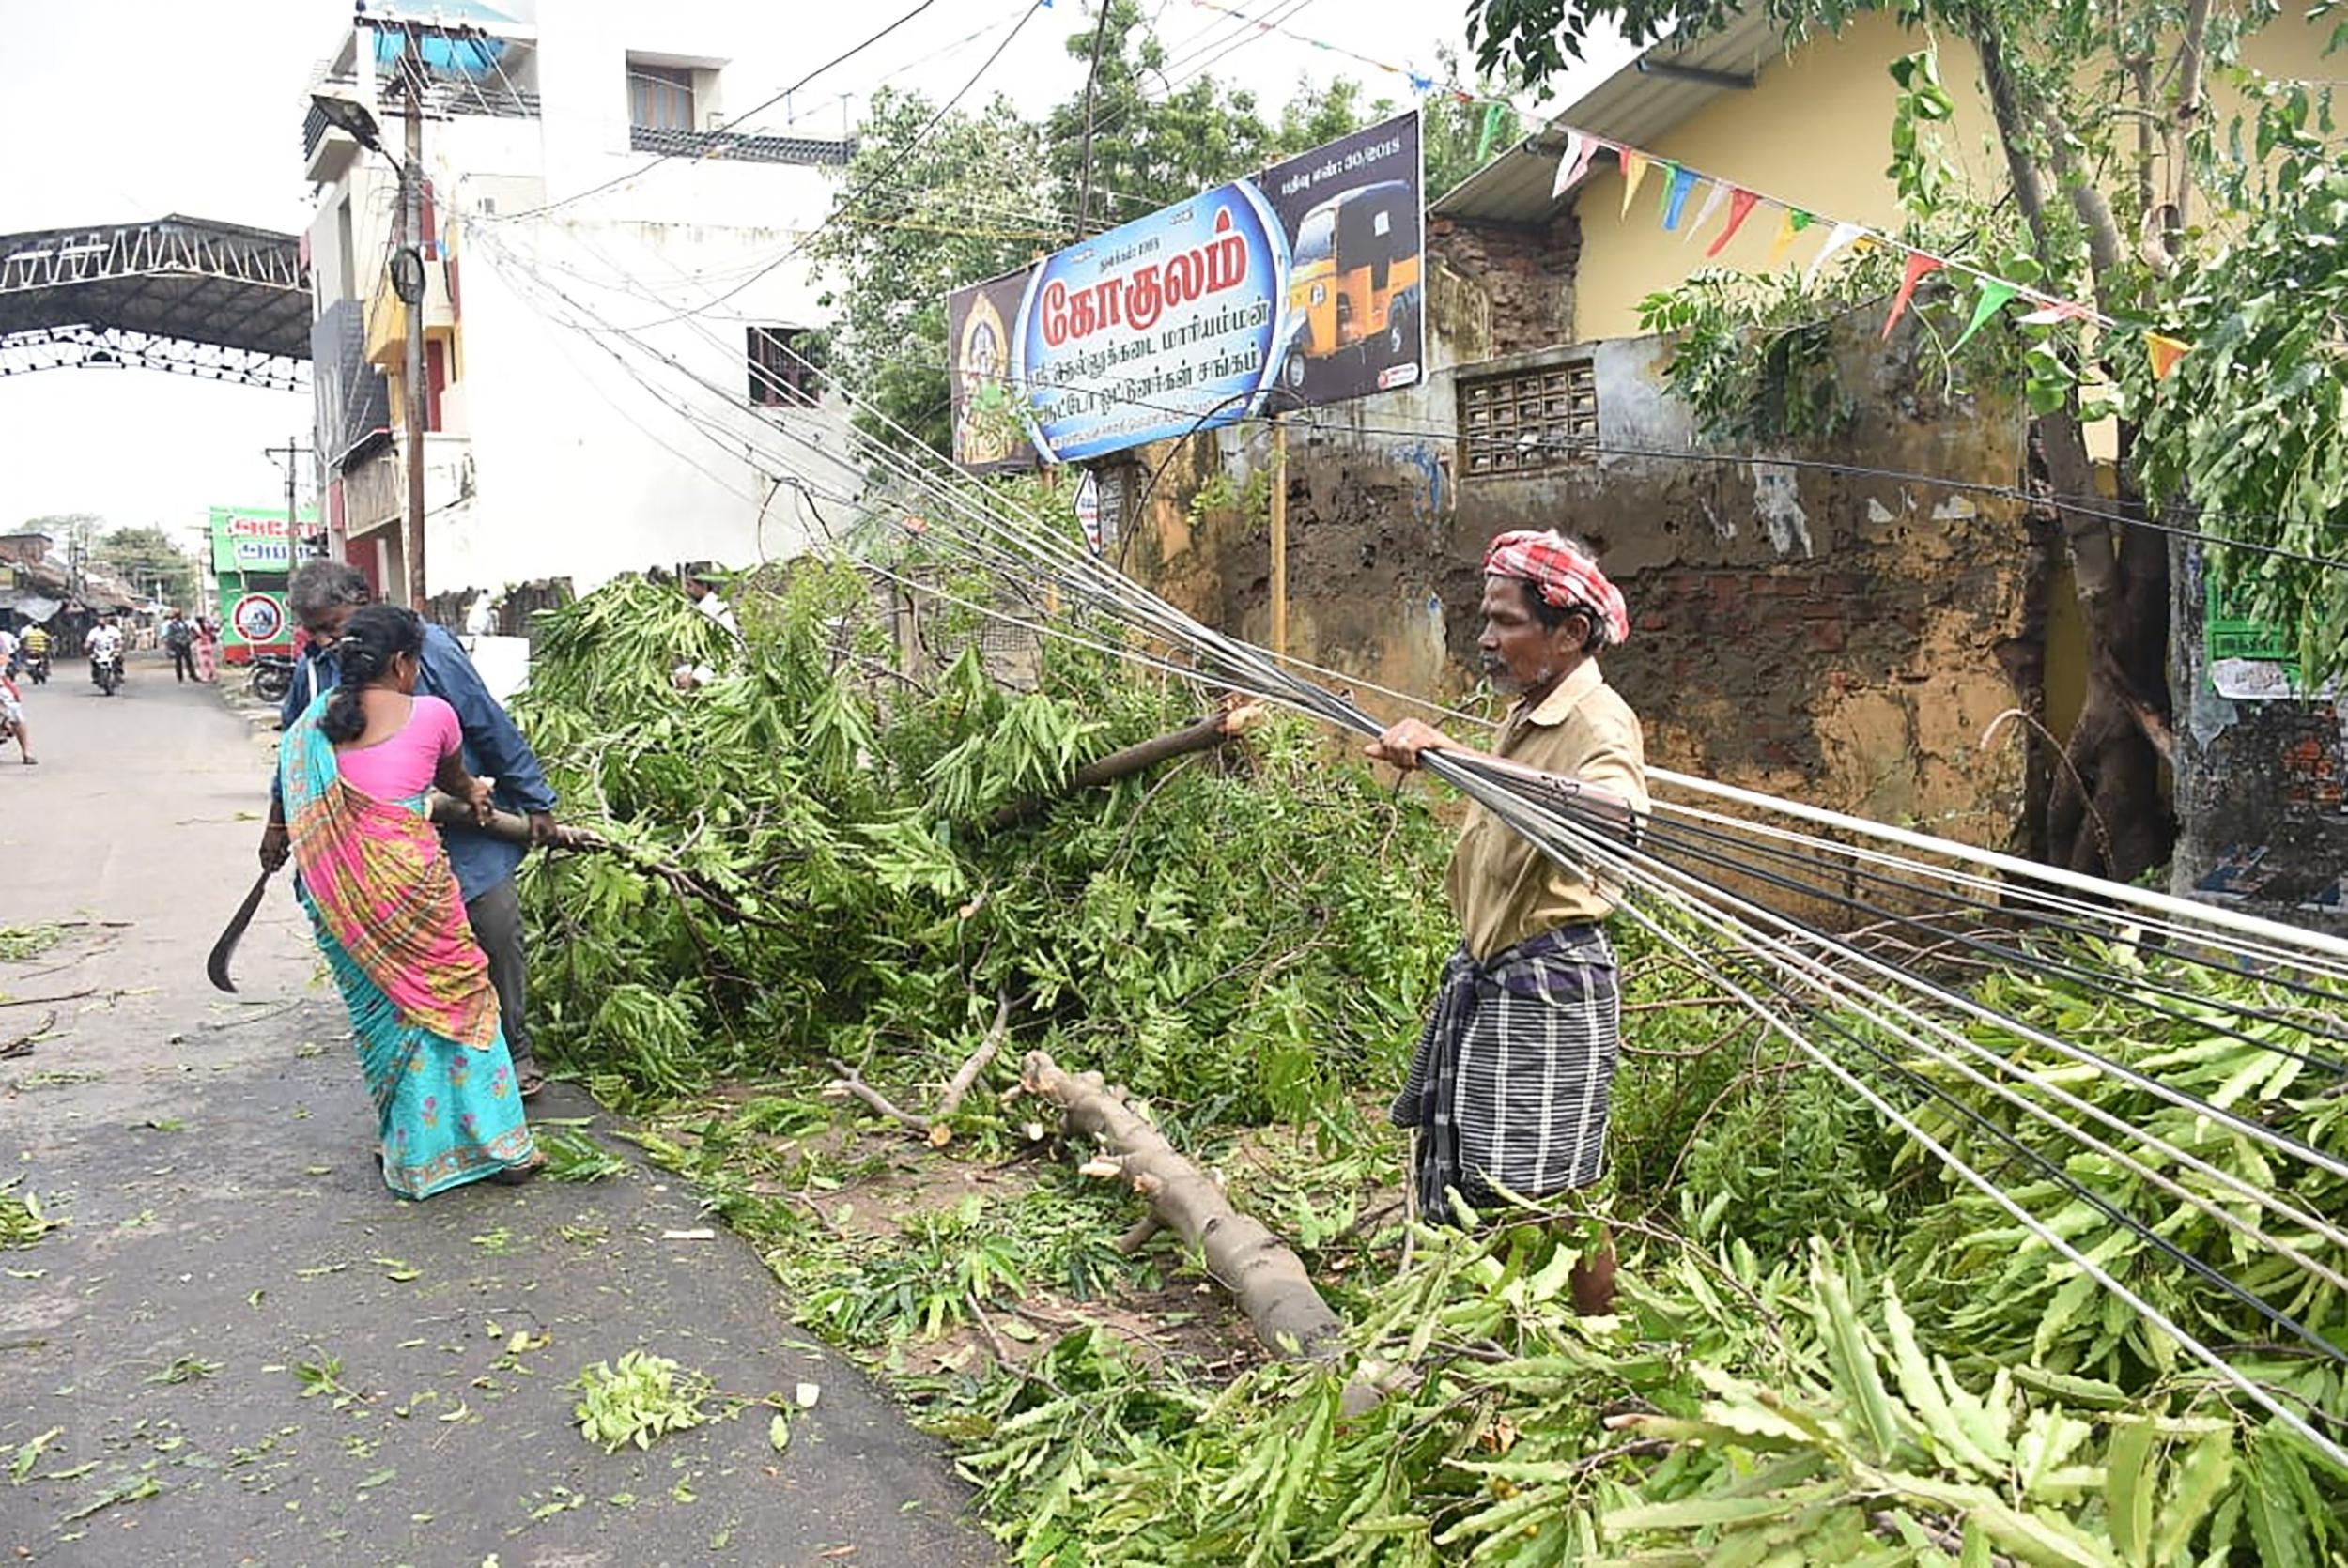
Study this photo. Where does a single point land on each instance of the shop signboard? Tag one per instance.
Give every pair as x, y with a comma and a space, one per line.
1295, 288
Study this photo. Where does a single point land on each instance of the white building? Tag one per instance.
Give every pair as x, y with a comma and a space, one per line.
598, 315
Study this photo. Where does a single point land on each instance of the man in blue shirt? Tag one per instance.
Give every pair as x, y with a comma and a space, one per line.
321, 596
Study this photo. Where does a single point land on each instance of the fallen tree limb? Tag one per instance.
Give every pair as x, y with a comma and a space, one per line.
1234, 720
851, 1083
447, 811
1264, 1277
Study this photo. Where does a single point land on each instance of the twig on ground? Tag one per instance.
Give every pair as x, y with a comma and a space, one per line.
967, 1074
851, 1082
36, 1001
22, 1044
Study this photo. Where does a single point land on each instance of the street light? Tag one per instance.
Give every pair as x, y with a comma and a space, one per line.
347, 115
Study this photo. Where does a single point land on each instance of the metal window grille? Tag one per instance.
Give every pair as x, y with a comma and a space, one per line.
659, 98
780, 377
1529, 421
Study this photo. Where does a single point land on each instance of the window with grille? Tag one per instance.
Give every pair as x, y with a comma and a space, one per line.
659, 98
780, 377
1529, 421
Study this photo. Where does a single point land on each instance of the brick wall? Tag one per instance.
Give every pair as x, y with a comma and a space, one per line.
1526, 270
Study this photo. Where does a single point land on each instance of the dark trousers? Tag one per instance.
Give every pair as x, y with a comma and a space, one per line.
496, 915
183, 663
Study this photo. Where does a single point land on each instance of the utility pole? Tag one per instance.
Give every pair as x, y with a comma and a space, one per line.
410, 261
291, 453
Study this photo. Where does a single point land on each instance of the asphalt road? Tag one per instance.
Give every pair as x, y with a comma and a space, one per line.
226, 1230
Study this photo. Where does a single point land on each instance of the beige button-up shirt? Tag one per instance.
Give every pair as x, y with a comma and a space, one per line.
1502, 889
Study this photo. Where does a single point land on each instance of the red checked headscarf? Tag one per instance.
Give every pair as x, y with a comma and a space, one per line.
1563, 577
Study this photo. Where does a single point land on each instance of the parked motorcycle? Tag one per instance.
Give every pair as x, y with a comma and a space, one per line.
105, 672
272, 677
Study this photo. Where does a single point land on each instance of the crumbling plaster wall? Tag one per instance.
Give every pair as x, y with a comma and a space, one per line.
1841, 638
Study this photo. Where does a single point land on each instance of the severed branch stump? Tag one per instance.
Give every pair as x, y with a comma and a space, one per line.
1264, 1277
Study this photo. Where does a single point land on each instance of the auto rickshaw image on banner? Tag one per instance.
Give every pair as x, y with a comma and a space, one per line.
1299, 287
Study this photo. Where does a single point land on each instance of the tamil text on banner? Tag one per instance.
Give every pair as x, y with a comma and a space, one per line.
1294, 288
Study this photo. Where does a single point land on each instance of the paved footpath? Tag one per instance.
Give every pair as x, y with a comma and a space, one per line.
212, 1154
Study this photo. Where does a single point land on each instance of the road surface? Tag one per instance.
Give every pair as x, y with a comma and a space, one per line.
246, 1349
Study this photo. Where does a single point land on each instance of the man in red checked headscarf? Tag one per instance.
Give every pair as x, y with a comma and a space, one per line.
1508, 1093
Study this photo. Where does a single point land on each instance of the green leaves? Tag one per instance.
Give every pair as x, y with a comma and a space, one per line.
638, 1398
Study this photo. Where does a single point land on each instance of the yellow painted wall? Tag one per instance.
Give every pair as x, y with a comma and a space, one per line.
1817, 131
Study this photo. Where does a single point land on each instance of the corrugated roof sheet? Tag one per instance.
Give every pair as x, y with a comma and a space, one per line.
1634, 105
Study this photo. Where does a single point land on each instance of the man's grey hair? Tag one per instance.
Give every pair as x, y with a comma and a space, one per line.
318, 586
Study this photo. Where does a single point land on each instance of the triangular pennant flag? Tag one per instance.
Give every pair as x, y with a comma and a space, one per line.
1633, 170
2165, 353
1676, 196
1741, 205
1995, 292
1919, 267
1572, 163
1713, 200
1795, 221
1841, 235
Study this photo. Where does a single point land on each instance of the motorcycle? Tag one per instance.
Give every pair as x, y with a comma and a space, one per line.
36, 666
105, 672
272, 677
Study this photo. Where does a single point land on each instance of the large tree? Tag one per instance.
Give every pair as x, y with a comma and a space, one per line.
2126, 187
148, 559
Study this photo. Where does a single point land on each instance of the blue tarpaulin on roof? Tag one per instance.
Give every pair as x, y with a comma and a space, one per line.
443, 55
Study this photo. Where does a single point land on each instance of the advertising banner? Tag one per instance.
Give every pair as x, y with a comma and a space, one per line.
1295, 288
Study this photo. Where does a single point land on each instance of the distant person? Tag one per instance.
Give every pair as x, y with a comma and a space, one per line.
354, 773
103, 642
323, 596
179, 640
34, 646
207, 648
702, 587
12, 714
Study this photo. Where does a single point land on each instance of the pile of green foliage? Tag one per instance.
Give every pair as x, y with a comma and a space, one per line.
1830, 1349
1240, 935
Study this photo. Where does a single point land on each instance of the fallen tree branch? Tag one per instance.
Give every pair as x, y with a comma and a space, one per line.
851, 1083
1264, 1277
447, 811
1233, 721
958, 1088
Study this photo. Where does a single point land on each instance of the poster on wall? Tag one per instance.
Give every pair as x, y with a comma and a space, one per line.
2251, 660
1295, 288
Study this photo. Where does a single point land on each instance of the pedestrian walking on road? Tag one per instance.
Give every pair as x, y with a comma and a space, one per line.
355, 771
207, 648
12, 720
180, 639
323, 596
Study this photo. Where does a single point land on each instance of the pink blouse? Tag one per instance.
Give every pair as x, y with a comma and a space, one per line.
402, 766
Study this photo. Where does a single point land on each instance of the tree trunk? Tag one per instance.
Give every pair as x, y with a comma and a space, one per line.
1264, 1277
1201, 736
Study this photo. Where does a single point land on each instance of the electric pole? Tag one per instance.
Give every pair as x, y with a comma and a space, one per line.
290, 455
407, 279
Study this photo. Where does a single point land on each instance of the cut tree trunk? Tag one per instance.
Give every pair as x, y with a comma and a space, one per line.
1235, 719
1264, 1277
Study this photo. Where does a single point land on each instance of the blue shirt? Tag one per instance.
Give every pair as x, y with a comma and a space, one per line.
494, 748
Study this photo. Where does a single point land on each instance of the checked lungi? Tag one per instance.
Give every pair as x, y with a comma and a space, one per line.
1509, 1089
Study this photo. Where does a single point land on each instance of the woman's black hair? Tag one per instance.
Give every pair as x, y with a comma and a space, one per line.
373, 636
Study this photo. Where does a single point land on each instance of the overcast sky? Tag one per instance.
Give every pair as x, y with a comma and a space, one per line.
120, 109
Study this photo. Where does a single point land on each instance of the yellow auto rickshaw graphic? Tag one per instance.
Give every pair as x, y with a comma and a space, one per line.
1355, 277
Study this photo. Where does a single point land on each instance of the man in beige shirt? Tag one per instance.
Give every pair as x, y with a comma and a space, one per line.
1509, 1089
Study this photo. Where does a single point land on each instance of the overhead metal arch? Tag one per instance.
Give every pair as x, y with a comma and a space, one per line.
222, 301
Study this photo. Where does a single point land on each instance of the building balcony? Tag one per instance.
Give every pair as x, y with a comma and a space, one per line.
375, 487
739, 147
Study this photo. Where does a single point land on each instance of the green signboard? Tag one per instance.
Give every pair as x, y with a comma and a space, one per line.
252, 550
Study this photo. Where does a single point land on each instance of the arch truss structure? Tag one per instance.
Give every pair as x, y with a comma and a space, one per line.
219, 302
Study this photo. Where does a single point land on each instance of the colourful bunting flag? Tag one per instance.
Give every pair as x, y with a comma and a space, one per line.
1995, 292
2054, 311
1841, 236
1714, 198
1741, 205
1572, 163
1919, 267
2165, 353
1635, 166
1676, 196
1795, 221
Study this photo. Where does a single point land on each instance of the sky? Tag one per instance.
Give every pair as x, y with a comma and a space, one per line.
121, 110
